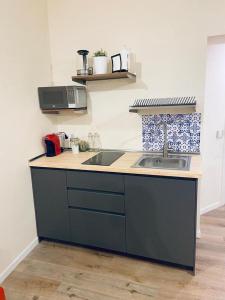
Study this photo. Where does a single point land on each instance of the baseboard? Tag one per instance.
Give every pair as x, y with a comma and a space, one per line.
210, 207
11, 267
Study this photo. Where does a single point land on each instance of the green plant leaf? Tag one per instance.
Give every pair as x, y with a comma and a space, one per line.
100, 53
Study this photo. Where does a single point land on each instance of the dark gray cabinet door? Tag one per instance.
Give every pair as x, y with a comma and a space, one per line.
161, 218
50, 199
98, 229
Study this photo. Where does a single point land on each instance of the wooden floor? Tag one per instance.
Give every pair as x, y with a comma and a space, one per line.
59, 272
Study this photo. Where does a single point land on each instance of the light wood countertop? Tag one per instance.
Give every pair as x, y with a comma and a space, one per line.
68, 160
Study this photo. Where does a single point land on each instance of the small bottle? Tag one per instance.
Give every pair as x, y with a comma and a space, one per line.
97, 142
91, 140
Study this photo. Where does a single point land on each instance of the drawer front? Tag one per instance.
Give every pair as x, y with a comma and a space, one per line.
103, 201
97, 229
95, 181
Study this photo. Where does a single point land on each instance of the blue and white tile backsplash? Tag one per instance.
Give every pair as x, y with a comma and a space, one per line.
183, 132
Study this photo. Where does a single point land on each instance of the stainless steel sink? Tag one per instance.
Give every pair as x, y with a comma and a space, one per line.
172, 162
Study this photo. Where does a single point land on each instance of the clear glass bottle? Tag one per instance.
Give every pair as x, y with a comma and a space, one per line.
97, 142
91, 141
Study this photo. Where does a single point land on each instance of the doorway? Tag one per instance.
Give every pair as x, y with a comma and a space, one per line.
213, 137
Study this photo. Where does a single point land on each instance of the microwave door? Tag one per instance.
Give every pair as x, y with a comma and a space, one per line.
53, 98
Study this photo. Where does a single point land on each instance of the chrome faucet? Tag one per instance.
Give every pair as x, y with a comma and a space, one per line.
165, 146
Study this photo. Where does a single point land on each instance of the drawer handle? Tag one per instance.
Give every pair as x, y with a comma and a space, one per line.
95, 191
95, 210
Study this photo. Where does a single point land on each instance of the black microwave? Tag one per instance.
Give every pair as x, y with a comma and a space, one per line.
62, 97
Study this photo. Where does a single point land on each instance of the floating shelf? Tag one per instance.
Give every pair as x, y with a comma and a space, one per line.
117, 75
58, 111
164, 105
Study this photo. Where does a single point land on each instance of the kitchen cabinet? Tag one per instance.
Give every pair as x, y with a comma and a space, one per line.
95, 181
149, 216
98, 229
95, 200
50, 199
96, 209
161, 218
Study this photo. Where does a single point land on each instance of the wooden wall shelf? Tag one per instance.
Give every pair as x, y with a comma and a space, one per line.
118, 75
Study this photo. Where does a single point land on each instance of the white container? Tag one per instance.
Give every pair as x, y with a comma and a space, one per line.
75, 148
74, 142
100, 64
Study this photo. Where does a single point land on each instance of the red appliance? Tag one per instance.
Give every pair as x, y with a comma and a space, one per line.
52, 144
2, 294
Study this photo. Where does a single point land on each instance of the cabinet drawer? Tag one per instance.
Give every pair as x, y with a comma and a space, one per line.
97, 229
104, 201
95, 181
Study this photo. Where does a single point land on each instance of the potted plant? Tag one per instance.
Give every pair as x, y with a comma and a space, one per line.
100, 62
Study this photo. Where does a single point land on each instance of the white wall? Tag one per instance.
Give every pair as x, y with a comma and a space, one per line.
169, 39
213, 184
24, 65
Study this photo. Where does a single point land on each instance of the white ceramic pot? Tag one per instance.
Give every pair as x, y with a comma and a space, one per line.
100, 64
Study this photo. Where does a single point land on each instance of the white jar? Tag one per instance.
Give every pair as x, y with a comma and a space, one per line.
75, 148
75, 145
100, 64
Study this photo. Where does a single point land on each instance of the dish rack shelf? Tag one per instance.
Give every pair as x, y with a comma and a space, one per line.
162, 105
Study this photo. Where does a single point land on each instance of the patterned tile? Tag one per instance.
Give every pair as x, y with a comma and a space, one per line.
183, 132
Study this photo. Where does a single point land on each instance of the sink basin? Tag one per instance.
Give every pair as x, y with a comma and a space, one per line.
171, 162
